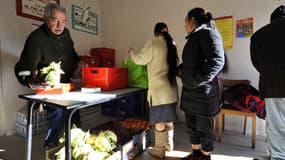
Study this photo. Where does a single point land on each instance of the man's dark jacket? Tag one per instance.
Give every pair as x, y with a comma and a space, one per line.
267, 50
43, 47
203, 59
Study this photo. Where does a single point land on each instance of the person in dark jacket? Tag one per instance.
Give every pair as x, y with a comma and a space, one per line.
50, 42
202, 60
267, 55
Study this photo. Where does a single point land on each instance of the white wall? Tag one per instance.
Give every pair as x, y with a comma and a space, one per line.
13, 33
129, 23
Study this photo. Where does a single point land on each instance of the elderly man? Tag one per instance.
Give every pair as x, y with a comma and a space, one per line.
50, 42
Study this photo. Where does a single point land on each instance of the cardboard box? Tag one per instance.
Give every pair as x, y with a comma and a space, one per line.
133, 147
131, 142
115, 156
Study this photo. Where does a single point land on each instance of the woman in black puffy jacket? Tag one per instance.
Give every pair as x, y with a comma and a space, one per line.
203, 59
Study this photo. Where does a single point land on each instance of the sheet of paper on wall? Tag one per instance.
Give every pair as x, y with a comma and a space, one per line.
225, 27
244, 27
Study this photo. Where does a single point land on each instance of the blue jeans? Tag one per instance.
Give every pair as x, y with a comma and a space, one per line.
55, 124
55, 121
275, 127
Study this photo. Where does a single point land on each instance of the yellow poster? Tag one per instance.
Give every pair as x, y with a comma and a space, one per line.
225, 27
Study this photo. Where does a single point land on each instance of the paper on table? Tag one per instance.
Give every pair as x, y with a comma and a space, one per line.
74, 96
91, 89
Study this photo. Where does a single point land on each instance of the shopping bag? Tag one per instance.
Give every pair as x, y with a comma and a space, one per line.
137, 74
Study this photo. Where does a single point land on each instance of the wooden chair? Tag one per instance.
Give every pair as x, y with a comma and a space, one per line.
227, 109
214, 127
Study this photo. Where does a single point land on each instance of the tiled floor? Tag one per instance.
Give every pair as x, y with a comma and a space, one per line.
233, 144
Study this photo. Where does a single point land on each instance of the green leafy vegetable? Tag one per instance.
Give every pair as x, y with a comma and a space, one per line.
52, 73
86, 146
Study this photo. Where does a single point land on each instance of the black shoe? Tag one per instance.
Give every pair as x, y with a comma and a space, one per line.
205, 157
192, 157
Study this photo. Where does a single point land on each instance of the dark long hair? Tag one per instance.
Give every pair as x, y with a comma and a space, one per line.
172, 57
200, 15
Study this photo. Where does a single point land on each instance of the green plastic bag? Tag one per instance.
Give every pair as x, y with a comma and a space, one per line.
137, 74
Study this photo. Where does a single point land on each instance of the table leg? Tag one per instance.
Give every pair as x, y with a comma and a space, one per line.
68, 116
29, 131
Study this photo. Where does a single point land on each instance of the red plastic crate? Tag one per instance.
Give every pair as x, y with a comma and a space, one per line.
104, 77
63, 88
106, 55
90, 61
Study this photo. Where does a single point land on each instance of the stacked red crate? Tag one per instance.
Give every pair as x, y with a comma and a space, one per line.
106, 56
90, 61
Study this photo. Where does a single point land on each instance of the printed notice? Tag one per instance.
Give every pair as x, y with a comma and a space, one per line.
244, 27
225, 27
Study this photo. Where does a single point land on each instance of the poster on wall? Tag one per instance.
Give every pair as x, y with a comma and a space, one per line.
83, 19
225, 27
244, 27
33, 9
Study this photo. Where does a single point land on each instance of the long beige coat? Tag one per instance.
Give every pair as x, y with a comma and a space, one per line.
154, 55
